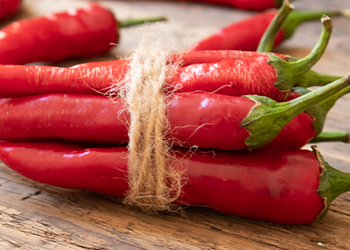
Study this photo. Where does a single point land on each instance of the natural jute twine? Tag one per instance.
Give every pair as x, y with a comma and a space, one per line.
153, 185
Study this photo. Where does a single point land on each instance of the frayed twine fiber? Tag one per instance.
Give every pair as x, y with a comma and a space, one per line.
153, 185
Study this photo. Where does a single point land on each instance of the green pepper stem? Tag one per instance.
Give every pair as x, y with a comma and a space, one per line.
332, 91
340, 93
328, 103
288, 73
316, 53
266, 119
332, 136
298, 17
312, 78
133, 22
319, 112
268, 39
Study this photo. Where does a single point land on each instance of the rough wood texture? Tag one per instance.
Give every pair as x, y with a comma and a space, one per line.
36, 216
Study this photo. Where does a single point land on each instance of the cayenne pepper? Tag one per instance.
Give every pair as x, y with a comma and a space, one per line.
308, 79
205, 120
294, 187
85, 32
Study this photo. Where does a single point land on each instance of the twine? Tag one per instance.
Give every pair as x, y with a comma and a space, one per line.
153, 184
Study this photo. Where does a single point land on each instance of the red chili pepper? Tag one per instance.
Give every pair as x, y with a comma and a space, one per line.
246, 34
294, 187
254, 5
196, 119
86, 32
9, 7
192, 57
308, 79
221, 77
267, 75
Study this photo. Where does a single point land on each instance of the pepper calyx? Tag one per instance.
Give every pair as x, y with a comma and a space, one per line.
264, 121
332, 183
285, 77
324, 188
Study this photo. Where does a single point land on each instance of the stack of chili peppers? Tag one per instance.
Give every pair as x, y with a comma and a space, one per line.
58, 129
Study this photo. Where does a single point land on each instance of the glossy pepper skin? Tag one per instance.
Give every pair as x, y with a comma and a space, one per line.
295, 135
226, 72
207, 120
280, 187
310, 78
84, 32
201, 120
230, 77
191, 57
9, 7
254, 5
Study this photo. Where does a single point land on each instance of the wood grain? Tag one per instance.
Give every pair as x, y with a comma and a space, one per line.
37, 216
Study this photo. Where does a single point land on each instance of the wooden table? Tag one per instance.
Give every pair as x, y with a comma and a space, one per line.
37, 216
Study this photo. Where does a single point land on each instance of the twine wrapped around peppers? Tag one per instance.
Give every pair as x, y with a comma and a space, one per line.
153, 185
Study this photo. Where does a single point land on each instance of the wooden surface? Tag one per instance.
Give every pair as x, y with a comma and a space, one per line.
36, 216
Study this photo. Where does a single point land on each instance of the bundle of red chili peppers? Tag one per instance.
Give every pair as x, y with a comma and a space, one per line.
57, 128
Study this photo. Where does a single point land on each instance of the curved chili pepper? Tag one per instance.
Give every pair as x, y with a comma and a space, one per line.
254, 5
96, 77
192, 57
294, 187
86, 32
9, 7
246, 34
196, 119
229, 77
267, 75
308, 79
